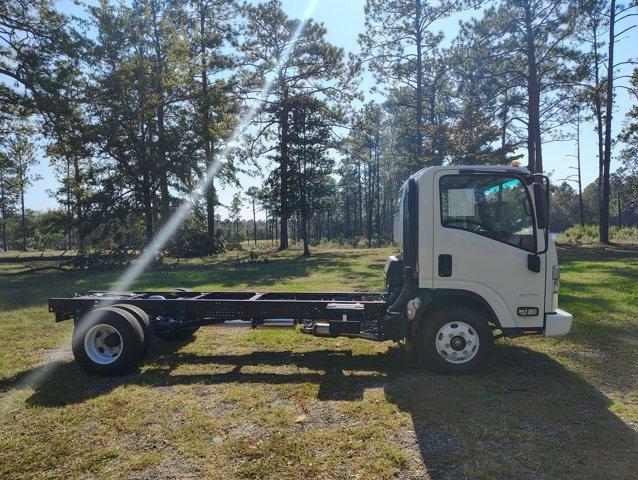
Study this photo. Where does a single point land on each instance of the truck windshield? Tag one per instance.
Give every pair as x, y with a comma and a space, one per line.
493, 206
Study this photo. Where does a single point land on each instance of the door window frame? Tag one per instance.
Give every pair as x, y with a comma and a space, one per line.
534, 249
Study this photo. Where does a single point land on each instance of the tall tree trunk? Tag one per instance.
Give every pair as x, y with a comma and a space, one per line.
211, 201
266, 225
79, 211
378, 185
580, 183
283, 151
359, 201
3, 199
211, 197
24, 217
163, 202
504, 126
604, 219
304, 212
144, 151
254, 223
69, 212
163, 165
382, 227
419, 81
619, 212
369, 197
304, 233
434, 151
346, 220
533, 99
598, 113
283, 233
149, 218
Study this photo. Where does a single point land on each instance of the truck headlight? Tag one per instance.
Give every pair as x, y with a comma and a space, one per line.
556, 277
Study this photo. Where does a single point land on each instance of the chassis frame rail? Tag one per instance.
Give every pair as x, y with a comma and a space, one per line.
204, 308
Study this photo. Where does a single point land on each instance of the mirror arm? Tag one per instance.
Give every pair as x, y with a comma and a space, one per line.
546, 238
544, 179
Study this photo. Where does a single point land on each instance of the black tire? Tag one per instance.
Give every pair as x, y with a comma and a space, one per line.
145, 322
130, 333
453, 317
174, 335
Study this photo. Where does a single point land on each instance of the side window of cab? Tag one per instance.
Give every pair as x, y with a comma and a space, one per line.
493, 206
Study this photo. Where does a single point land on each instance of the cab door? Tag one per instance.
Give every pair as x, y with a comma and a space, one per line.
484, 230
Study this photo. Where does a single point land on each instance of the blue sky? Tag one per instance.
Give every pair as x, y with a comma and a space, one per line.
344, 21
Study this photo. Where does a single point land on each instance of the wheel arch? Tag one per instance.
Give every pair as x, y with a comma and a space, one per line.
439, 298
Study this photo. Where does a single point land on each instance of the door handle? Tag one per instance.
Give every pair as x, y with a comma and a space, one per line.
445, 265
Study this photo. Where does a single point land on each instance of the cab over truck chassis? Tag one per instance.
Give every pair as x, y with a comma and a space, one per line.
477, 263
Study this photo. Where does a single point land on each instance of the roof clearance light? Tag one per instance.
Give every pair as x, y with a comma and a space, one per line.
516, 163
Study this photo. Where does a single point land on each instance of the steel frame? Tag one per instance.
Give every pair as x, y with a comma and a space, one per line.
201, 308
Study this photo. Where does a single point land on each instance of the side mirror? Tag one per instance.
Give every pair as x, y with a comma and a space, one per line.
541, 206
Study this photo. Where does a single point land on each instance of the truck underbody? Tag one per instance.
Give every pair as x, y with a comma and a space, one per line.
322, 314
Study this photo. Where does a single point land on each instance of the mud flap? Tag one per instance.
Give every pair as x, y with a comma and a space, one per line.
395, 327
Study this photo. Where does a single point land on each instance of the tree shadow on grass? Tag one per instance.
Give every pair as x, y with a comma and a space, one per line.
32, 290
527, 416
617, 251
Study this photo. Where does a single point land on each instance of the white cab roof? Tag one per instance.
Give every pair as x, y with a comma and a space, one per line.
472, 168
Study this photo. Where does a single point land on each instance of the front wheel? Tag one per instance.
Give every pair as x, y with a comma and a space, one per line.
455, 339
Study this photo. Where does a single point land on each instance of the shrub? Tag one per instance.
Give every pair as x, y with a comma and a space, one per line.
191, 240
588, 235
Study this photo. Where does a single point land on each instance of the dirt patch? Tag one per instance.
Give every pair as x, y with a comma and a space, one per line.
49, 355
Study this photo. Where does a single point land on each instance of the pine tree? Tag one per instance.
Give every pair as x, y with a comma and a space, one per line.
34, 38
253, 194
234, 211
629, 134
21, 153
7, 194
523, 49
617, 14
404, 56
139, 66
212, 31
313, 67
310, 137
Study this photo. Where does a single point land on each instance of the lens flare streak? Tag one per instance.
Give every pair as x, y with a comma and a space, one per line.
148, 255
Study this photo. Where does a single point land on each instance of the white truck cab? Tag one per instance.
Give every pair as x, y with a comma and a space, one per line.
475, 243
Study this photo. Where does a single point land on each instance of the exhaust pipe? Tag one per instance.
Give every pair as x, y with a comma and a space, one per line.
320, 329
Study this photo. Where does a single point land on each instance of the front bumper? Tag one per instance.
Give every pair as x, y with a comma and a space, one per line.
557, 323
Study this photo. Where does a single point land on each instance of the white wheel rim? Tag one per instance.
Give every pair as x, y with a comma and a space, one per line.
103, 344
457, 342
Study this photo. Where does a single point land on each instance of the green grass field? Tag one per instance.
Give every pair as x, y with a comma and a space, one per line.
267, 404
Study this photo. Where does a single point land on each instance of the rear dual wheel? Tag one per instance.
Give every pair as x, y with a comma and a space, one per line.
145, 322
112, 340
